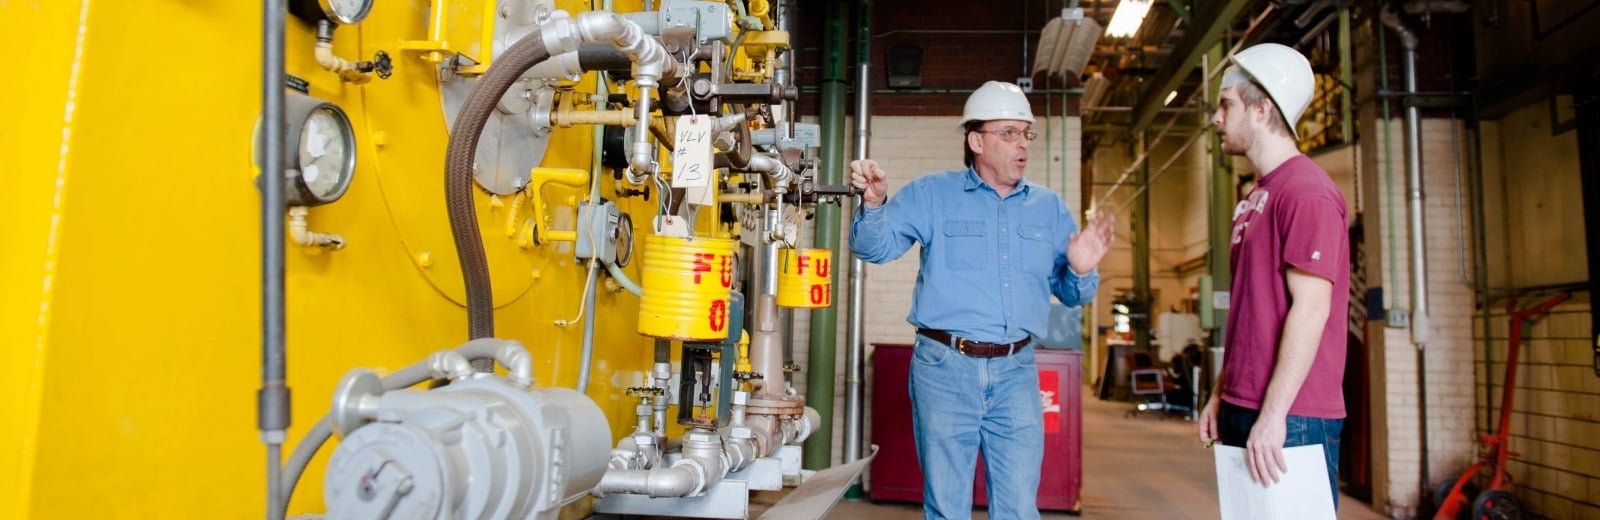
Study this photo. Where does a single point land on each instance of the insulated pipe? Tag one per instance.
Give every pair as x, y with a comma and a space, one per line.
1420, 327
855, 348
272, 400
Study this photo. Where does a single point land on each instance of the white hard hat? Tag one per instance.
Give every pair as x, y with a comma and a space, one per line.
1284, 73
997, 100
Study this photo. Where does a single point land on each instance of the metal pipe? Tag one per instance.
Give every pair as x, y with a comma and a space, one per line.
855, 349
1480, 255
272, 400
824, 322
1420, 327
509, 353
778, 173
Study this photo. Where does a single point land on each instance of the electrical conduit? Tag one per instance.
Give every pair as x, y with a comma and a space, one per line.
1420, 328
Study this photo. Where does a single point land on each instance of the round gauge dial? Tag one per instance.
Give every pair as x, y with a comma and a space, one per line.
324, 151
624, 240
347, 11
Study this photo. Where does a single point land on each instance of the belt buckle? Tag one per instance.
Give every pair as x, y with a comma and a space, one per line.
961, 344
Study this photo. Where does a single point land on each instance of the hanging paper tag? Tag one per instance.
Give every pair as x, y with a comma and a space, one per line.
691, 159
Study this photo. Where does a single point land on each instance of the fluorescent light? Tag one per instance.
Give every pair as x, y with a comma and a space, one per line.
1129, 16
1170, 95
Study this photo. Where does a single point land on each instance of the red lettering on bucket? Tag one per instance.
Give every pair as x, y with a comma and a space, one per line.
822, 266
727, 273
719, 315
820, 294
800, 264
701, 266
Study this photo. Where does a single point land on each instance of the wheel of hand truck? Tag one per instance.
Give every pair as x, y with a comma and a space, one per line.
1469, 491
1497, 504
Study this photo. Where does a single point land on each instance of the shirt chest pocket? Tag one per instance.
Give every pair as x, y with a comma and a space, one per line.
1039, 249
966, 245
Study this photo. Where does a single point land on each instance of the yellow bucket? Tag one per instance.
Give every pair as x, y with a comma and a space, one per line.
685, 288
804, 278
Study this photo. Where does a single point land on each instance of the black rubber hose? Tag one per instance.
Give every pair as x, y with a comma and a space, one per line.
459, 159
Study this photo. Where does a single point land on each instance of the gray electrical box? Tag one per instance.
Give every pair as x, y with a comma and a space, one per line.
709, 19
597, 231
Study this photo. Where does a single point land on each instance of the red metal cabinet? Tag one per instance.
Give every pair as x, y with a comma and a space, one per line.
895, 473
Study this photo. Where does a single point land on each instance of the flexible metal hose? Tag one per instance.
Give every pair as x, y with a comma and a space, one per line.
459, 158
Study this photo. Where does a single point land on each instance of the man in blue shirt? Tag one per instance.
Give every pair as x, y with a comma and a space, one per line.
995, 247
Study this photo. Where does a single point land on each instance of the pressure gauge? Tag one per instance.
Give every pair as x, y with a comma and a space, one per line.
624, 239
347, 12
319, 151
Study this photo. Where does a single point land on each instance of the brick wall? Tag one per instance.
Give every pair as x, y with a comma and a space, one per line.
1448, 370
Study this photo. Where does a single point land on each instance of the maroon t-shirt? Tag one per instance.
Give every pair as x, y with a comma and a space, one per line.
1295, 218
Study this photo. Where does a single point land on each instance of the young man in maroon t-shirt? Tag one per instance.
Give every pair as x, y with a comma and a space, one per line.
1283, 366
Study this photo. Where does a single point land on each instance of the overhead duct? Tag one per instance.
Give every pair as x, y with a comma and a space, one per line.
1067, 43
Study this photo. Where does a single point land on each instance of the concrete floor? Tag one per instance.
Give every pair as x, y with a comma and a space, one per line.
1139, 467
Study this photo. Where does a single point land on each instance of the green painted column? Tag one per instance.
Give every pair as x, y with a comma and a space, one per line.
825, 322
1219, 220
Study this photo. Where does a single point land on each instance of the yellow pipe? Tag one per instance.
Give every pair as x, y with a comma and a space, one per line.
436, 27
742, 198
743, 365
346, 69
566, 119
541, 176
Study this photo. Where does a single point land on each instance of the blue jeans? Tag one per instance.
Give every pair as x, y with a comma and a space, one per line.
962, 404
1234, 423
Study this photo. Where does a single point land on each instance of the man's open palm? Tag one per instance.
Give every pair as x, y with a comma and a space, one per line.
1088, 246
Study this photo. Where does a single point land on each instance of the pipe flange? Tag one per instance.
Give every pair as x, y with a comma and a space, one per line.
353, 390
782, 407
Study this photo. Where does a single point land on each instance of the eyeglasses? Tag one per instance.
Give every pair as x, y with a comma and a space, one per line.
1010, 135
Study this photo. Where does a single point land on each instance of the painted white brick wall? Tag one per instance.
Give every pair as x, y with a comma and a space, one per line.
1449, 355
907, 147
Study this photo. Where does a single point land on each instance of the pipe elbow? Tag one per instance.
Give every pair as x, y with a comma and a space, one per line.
771, 165
301, 234
508, 353
561, 35
347, 70
449, 364
518, 363
1391, 19
686, 478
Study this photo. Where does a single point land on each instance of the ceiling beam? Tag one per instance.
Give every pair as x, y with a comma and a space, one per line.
1211, 21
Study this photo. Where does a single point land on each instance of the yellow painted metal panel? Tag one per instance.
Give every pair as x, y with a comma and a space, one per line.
147, 406
35, 137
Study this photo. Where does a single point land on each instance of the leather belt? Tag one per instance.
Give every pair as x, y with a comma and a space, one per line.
971, 348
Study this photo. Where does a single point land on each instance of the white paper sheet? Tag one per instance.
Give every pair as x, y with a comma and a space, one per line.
1303, 492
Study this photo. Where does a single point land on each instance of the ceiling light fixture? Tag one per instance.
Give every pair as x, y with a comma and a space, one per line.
1128, 18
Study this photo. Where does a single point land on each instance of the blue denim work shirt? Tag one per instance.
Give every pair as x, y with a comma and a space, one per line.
989, 266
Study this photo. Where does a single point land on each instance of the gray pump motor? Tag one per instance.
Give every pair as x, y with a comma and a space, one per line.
480, 447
